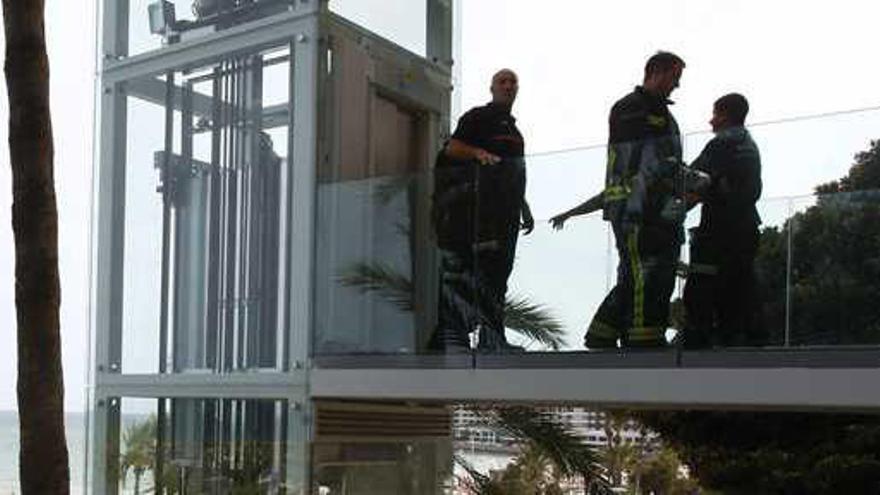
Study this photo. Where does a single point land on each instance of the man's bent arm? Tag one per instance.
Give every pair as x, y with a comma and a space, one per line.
459, 150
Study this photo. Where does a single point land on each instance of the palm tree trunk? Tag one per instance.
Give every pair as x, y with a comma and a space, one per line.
43, 462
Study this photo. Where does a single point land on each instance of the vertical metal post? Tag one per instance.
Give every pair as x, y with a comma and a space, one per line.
112, 434
167, 194
161, 434
255, 295
109, 211
439, 32
231, 218
788, 267
297, 458
214, 350
284, 341
303, 157
439, 49
457, 64
304, 162
114, 26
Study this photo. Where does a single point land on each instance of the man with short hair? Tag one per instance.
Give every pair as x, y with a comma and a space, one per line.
641, 203
479, 208
719, 295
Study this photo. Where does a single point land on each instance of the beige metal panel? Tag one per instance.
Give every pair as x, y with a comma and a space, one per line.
351, 66
395, 139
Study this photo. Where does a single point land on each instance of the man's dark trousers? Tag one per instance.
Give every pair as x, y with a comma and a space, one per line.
719, 296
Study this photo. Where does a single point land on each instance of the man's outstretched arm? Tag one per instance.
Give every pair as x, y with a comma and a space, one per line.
589, 206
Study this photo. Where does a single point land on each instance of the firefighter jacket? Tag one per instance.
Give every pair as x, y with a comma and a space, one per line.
644, 158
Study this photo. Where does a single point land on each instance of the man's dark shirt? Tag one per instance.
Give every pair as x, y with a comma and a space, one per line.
501, 186
492, 128
733, 161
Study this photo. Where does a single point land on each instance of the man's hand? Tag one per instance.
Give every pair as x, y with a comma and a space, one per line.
558, 221
485, 158
528, 222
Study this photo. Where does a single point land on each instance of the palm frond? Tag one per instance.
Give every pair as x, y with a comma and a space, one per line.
533, 321
567, 451
382, 280
476, 482
524, 317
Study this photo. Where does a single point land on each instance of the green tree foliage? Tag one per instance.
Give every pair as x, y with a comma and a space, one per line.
835, 254
139, 442
531, 473
660, 473
618, 457
834, 293
743, 452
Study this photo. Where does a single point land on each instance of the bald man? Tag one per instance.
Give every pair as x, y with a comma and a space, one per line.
481, 176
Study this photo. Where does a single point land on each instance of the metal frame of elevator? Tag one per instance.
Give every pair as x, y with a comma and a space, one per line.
240, 349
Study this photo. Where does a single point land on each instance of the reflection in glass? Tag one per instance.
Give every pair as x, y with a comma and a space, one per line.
567, 448
200, 446
381, 448
373, 206
789, 308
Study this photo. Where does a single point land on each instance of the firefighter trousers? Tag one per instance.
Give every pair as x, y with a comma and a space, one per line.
636, 311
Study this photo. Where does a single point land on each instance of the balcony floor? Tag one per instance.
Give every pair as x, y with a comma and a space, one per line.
838, 379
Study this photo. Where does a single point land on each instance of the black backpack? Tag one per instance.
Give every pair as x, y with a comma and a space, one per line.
453, 202
465, 191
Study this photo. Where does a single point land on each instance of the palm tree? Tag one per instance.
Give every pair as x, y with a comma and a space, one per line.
531, 473
550, 454
618, 456
569, 455
140, 451
43, 458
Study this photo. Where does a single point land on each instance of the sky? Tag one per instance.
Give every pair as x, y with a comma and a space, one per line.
574, 60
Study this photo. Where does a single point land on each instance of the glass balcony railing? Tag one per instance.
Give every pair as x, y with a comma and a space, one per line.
413, 260
389, 279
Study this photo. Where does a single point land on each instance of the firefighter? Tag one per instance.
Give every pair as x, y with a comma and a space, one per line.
645, 212
479, 208
719, 294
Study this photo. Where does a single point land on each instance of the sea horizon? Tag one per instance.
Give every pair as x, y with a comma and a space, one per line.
75, 429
